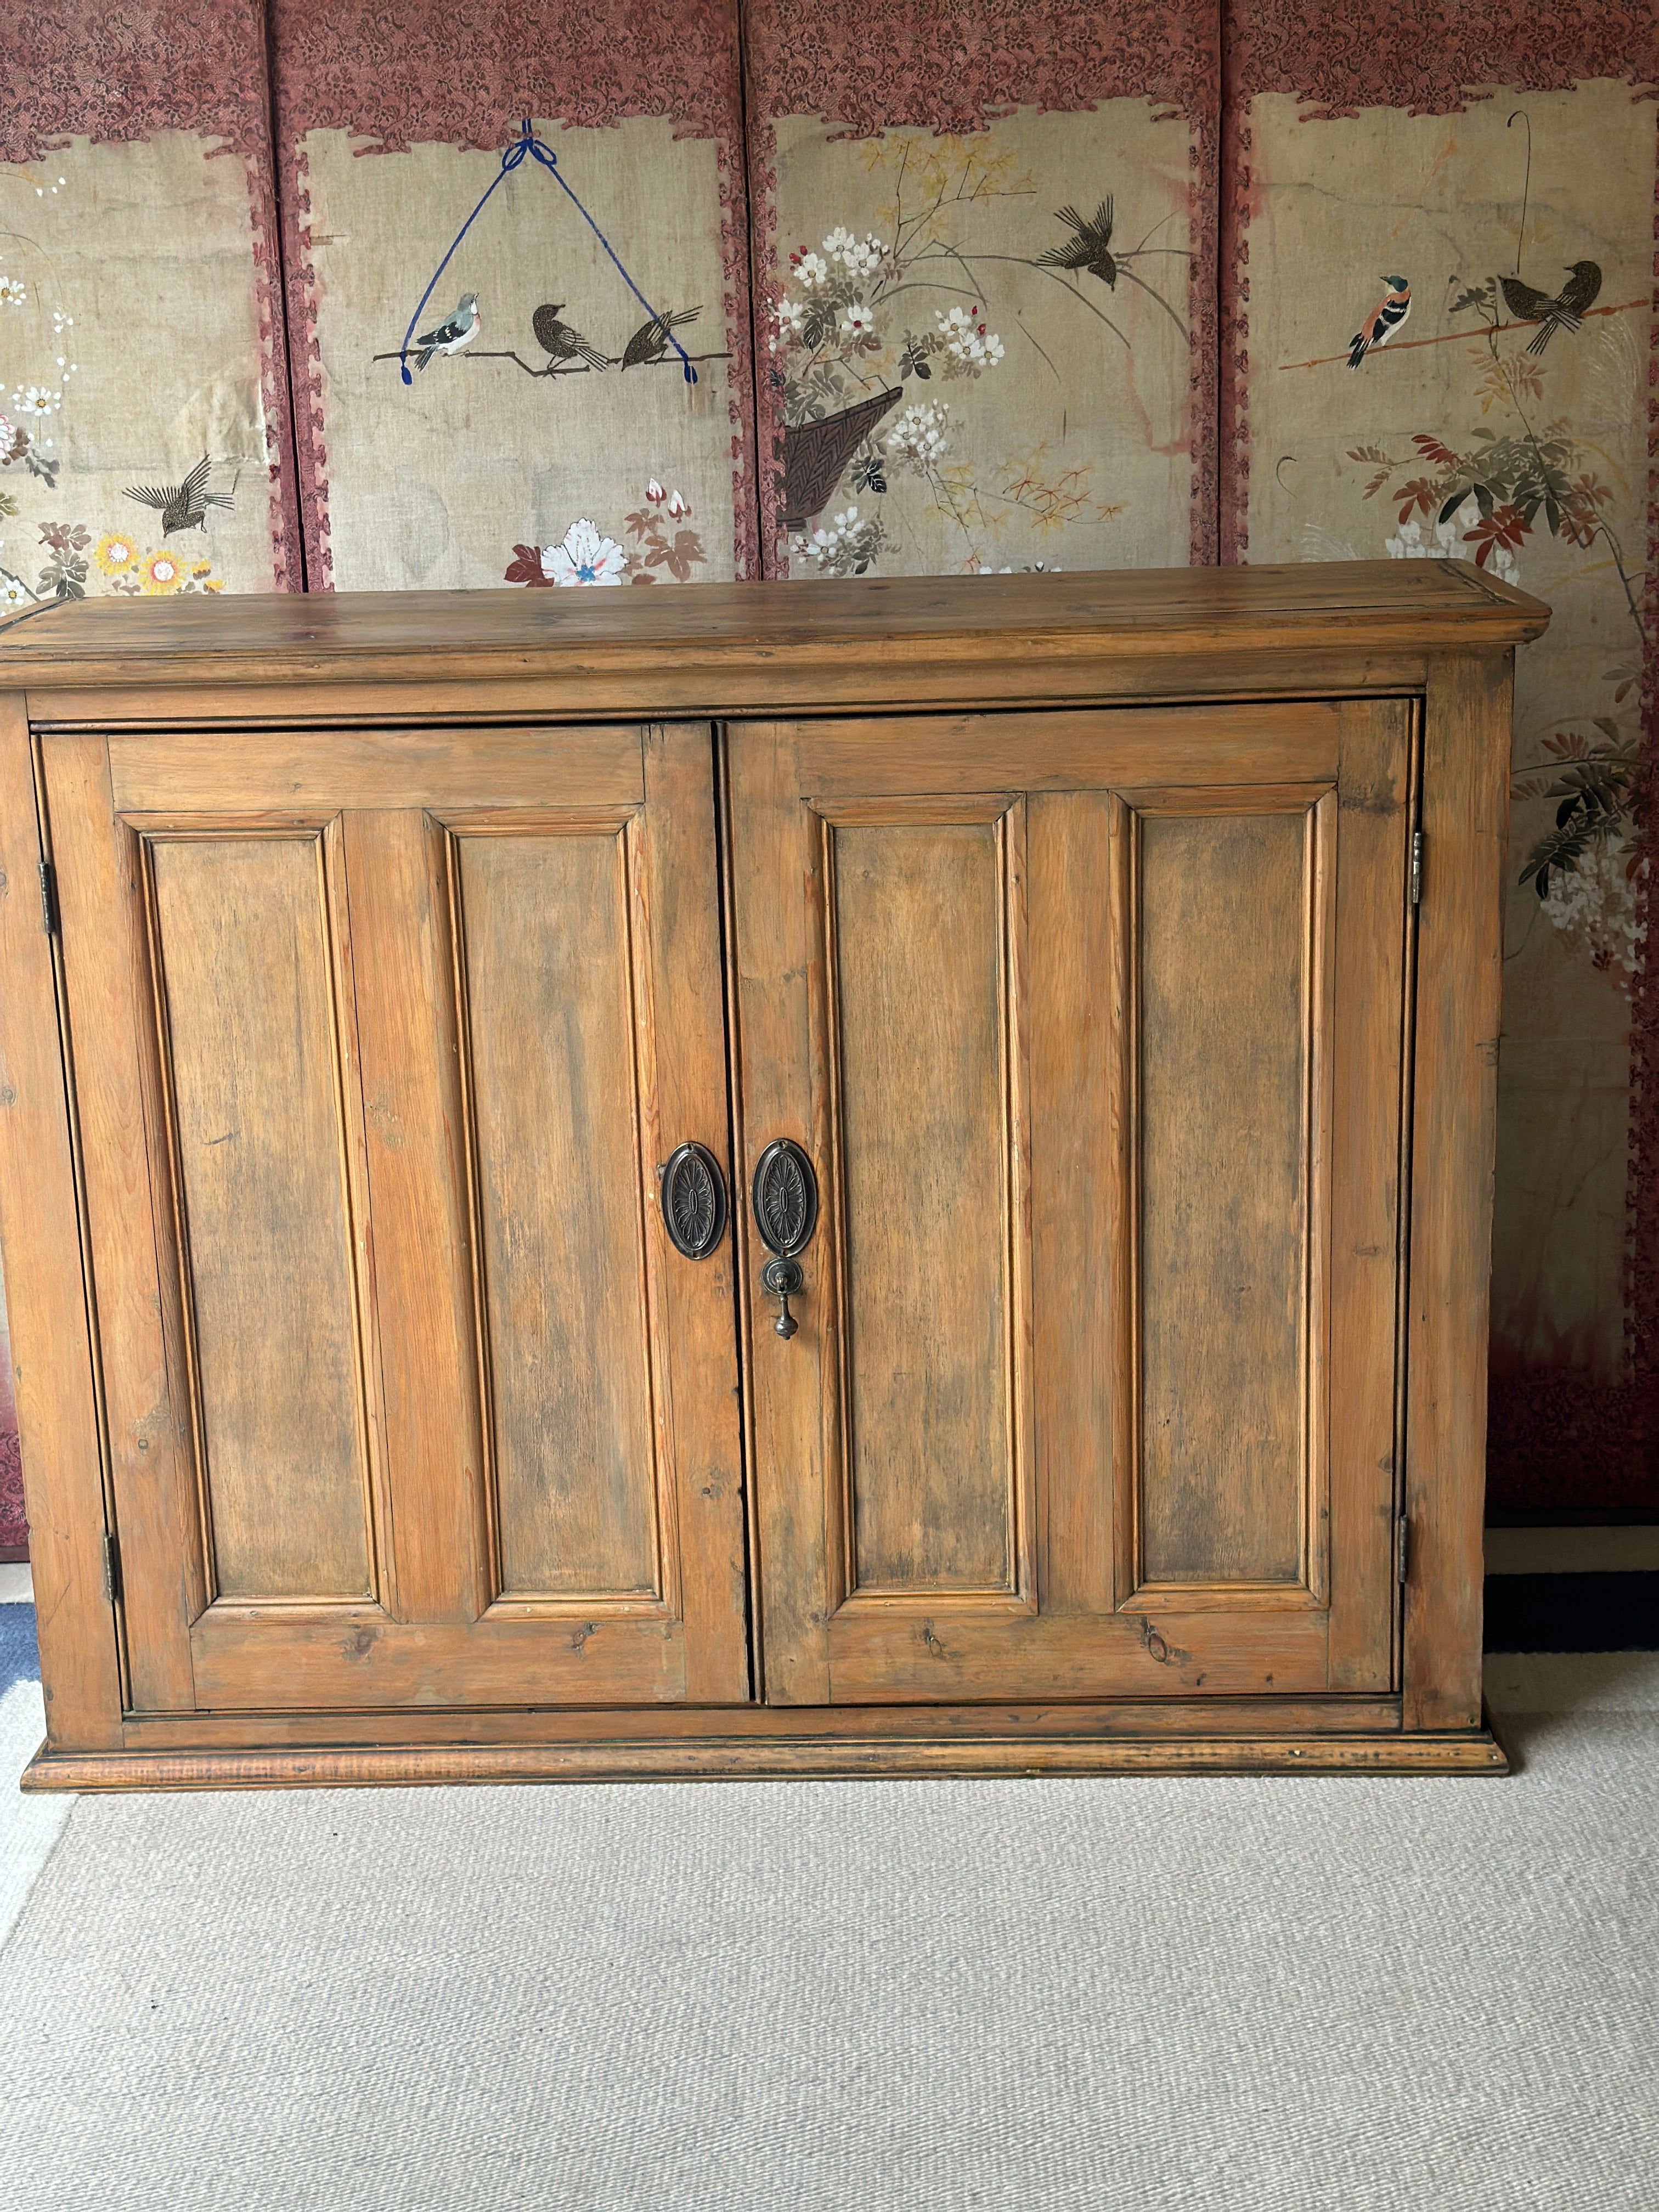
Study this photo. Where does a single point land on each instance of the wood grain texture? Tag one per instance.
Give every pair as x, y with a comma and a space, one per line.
1460, 953
132, 1247
855, 635
1227, 1022
1101, 1719
676, 684
1475, 1752
697, 1368
177, 772
343, 1656
918, 994
1063, 750
396, 862
795, 1399
546, 926
1082, 1193
52, 1347
1370, 1010
252, 1050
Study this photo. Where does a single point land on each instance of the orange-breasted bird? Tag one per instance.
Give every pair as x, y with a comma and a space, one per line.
1384, 320
1565, 312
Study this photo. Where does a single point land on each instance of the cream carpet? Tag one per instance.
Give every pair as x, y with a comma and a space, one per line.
1246, 1995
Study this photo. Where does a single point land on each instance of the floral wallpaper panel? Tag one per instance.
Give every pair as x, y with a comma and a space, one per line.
580, 412
143, 385
1448, 322
984, 248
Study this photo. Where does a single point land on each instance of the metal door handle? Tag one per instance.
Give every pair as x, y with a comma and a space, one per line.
785, 1197
694, 1200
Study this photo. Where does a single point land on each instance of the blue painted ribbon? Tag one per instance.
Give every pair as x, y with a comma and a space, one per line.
528, 144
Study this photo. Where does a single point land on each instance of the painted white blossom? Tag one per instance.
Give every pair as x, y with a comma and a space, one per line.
655, 493
585, 557
812, 270
968, 343
846, 547
921, 436
678, 506
857, 320
790, 316
1597, 908
839, 242
13, 294
35, 399
1448, 544
12, 594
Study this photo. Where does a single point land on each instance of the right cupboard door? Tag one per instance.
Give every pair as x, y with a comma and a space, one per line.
1094, 1026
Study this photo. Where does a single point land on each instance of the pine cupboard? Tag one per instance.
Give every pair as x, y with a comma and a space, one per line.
875, 1178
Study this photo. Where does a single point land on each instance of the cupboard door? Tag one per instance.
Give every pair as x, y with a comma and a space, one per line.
1092, 1025
379, 1042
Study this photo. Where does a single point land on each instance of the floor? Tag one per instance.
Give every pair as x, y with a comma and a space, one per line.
1238, 1994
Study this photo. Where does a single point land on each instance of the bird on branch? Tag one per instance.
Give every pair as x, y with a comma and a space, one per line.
559, 340
449, 337
650, 341
1565, 312
1089, 247
1384, 320
183, 506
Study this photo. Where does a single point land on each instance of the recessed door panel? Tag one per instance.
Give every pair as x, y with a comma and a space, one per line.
919, 998
1226, 945
551, 1035
1073, 1062
249, 1047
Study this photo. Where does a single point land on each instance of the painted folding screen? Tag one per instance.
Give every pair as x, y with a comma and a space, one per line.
142, 384
548, 431
1471, 191
985, 281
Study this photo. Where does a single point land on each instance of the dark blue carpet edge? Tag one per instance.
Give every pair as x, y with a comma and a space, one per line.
20, 1655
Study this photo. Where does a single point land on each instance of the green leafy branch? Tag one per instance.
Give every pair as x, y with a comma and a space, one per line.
1603, 792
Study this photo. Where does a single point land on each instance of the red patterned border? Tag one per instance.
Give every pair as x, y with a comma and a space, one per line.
427, 72
14, 1527
122, 73
1557, 1439
954, 66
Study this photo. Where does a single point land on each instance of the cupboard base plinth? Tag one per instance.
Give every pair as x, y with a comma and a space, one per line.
731, 1758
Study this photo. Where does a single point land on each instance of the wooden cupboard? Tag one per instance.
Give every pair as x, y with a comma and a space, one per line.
876, 1178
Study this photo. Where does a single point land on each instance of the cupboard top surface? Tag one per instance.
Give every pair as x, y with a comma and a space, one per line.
888, 623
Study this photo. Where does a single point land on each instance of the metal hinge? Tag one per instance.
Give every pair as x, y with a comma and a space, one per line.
111, 1568
1402, 1529
1417, 866
49, 898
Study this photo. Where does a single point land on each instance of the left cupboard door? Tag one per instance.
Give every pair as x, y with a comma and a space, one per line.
379, 1042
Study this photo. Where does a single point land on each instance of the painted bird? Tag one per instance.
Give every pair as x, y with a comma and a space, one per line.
1089, 247
1384, 320
558, 339
1565, 312
182, 506
650, 343
449, 337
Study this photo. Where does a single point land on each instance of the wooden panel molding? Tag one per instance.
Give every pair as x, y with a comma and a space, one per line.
556, 1021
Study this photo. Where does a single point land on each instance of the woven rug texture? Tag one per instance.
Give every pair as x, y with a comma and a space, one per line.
913, 1996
